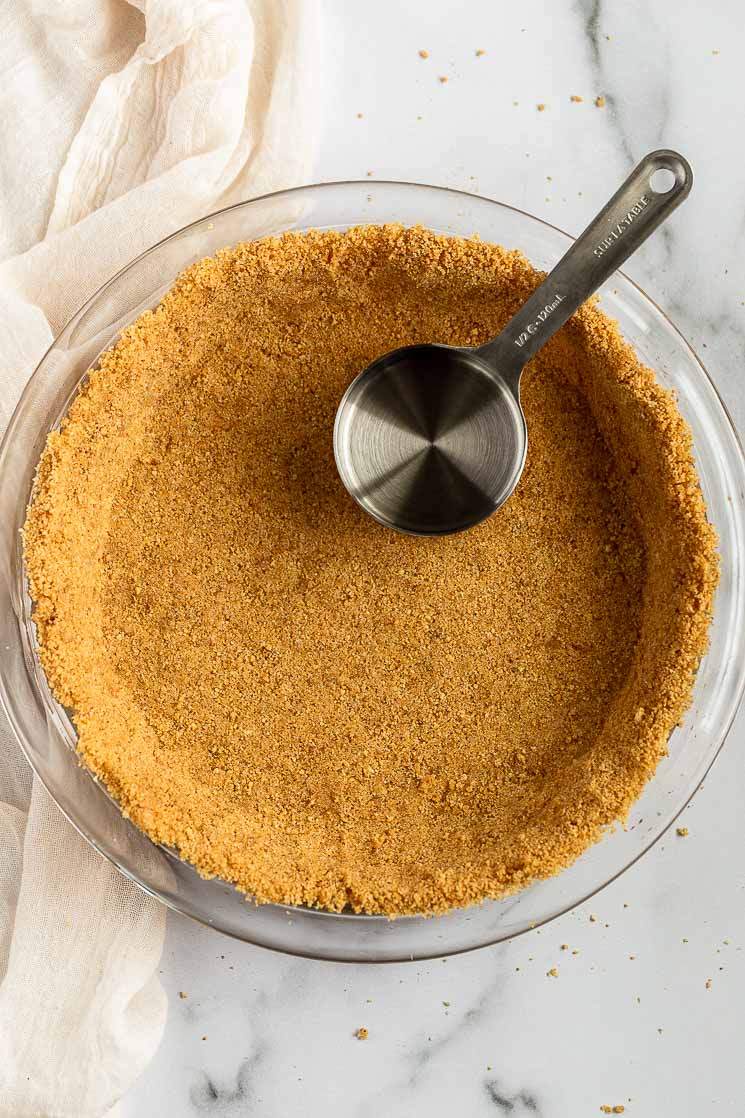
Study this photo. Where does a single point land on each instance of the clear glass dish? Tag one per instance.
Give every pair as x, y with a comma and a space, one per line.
46, 733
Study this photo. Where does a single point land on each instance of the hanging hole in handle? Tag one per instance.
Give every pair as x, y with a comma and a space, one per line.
662, 180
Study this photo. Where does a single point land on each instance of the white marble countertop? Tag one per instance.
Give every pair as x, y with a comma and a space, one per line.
632, 1019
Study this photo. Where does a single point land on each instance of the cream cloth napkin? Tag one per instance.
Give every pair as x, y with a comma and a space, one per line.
119, 123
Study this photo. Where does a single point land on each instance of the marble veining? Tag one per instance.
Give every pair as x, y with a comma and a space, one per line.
520, 1103
209, 1097
645, 1010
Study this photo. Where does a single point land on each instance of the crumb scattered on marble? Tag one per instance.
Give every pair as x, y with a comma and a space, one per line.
424, 54
682, 831
576, 99
593, 918
443, 79
359, 116
541, 107
600, 101
182, 994
553, 973
708, 984
565, 947
362, 1033
480, 53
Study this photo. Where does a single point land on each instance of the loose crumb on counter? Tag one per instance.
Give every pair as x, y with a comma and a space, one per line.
362, 1033
682, 831
600, 101
424, 54
576, 99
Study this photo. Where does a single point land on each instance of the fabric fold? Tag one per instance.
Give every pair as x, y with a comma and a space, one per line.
122, 126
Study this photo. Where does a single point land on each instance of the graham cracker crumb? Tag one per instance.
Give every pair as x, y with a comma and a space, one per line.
443, 79
362, 1033
541, 107
424, 54
682, 831
553, 973
311, 707
576, 99
480, 53
600, 101
182, 994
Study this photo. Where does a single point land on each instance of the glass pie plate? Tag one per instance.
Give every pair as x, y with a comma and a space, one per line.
45, 730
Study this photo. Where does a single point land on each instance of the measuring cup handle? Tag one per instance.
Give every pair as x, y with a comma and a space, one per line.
656, 186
